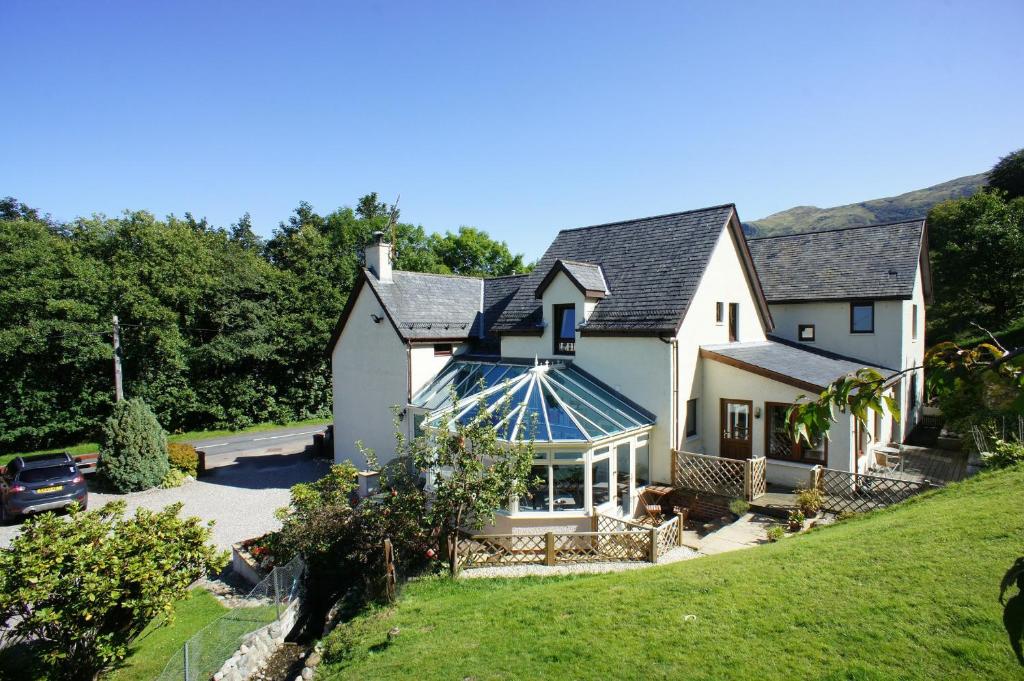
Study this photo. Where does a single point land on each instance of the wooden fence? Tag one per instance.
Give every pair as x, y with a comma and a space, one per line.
741, 478
858, 492
615, 540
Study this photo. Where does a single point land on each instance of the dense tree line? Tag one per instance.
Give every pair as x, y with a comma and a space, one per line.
220, 328
977, 254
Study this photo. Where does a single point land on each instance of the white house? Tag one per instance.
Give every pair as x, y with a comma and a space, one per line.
628, 341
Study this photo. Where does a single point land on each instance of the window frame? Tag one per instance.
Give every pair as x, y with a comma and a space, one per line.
798, 449
734, 322
691, 410
800, 333
557, 313
862, 303
439, 349
913, 322
719, 313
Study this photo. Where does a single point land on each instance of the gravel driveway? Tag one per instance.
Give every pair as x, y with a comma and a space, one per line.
240, 494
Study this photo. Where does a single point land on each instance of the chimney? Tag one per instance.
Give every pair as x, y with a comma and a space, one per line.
378, 258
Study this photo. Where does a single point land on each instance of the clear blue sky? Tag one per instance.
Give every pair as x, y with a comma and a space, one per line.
519, 118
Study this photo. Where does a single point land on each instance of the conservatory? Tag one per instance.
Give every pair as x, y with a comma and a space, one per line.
591, 443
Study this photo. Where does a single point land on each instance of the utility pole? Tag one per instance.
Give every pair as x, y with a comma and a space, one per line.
118, 390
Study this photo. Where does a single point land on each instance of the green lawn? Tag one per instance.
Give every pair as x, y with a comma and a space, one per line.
908, 593
87, 447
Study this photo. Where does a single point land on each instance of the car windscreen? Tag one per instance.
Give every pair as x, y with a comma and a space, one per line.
45, 474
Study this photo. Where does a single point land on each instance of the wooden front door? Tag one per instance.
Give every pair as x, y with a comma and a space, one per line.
736, 429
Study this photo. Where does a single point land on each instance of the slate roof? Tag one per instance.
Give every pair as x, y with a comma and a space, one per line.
431, 306
871, 261
498, 291
651, 266
804, 367
586, 276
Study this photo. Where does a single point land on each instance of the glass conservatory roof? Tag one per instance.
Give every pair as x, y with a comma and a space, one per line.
550, 403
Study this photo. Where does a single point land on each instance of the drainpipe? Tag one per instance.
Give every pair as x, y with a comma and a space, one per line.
673, 344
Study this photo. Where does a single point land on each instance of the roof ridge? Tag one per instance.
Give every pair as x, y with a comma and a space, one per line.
836, 229
650, 217
436, 274
579, 262
506, 276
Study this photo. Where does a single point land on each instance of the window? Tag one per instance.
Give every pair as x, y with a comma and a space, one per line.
913, 322
442, 349
536, 497
734, 322
417, 424
779, 441
622, 470
719, 313
557, 485
805, 333
600, 475
877, 430
862, 317
643, 463
691, 418
565, 329
912, 397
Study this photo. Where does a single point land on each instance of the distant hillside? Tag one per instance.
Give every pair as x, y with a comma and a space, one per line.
910, 205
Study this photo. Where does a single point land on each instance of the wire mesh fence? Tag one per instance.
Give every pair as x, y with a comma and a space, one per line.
272, 600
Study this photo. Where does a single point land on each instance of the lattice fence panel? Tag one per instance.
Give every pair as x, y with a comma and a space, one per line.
712, 474
597, 547
502, 549
758, 477
858, 492
667, 536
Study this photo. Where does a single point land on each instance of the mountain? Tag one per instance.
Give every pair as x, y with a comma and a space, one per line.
894, 208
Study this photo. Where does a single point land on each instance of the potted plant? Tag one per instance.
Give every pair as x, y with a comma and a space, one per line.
810, 501
796, 520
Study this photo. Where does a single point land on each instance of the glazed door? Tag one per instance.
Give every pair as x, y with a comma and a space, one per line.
736, 430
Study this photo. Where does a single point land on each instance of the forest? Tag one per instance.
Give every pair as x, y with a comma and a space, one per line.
219, 327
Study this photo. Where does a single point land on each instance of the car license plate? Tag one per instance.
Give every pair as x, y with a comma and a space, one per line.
47, 490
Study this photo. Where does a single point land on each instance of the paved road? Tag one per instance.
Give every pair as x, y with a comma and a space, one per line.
247, 480
272, 441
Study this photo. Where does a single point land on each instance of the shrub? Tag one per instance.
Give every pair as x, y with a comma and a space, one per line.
1005, 454
174, 478
796, 520
845, 515
738, 507
133, 455
183, 457
84, 590
775, 533
809, 501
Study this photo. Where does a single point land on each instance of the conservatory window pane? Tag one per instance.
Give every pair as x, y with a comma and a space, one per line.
562, 426
568, 487
622, 475
536, 497
643, 464
574, 378
599, 481
593, 408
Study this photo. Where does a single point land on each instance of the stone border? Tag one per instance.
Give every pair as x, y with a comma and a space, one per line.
258, 646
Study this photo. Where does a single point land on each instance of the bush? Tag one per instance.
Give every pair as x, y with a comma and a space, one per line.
845, 515
84, 590
183, 457
738, 507
1005, 454
809, 501
133, 455
174, 478
775, 533
796, 520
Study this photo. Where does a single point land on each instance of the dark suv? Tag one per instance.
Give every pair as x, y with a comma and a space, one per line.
40, 483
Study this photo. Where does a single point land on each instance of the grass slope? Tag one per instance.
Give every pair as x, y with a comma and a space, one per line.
913, 204
909, 593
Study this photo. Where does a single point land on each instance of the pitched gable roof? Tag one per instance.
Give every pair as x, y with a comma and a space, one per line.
651, 266
498, 292
585, 276
871, 261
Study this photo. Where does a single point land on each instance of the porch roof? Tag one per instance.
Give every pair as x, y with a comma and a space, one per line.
803, 368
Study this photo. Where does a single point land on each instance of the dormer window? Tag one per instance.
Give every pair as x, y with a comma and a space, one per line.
564, 329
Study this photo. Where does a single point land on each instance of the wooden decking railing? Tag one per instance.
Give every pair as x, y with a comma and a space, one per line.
860, 492
743, 478
616, 539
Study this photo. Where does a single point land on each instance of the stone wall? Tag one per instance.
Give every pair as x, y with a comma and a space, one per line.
258, 646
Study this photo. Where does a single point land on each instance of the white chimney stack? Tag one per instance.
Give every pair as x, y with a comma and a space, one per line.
378, 258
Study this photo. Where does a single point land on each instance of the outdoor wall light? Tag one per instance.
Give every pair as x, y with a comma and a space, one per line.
377, 319
757, 412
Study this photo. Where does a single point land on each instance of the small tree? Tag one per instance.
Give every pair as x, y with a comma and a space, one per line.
1008, 174
82, 591
474, 474
133, 455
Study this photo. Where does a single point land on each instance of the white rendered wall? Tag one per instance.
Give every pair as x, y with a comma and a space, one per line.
425, 365
725, 281
831, 322
560, 291
722, 381
370, 375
